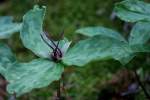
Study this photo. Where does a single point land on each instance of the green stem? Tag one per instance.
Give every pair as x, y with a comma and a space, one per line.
58, 94
141, 85
59, 90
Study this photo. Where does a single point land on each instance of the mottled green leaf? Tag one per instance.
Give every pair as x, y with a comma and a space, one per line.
5, 51
31, 30
98, 48
93, 31
140, 33
8, 27
6, 19
133, 10
6, 57
23, 77
139, 36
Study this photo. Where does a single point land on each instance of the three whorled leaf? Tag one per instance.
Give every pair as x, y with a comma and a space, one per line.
23, 77
106, 44
31, 30
133, 10
6, 58
99, 30
8, 27
140, 33
98, 48
139, 37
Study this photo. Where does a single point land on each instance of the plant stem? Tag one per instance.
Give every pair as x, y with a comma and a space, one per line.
59, 90
141, 85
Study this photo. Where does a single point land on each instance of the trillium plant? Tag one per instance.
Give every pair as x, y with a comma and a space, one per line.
100, 44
